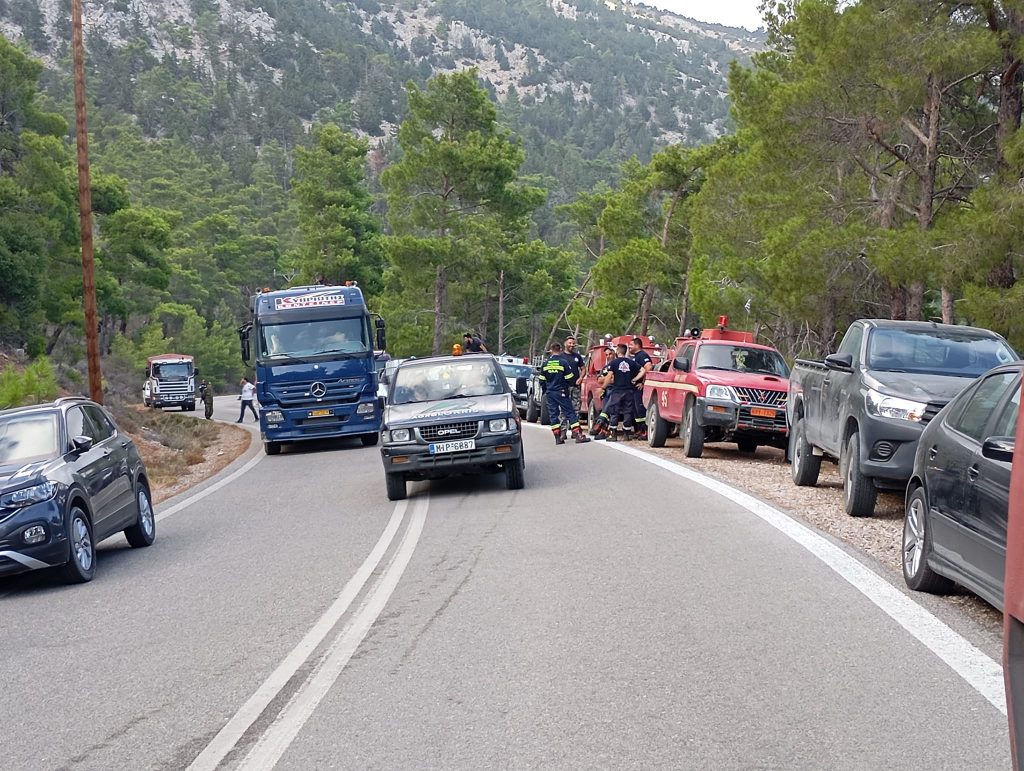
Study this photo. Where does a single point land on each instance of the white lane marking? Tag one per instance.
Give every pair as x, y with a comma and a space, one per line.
980, 671
181, 505
275, 742
229, 736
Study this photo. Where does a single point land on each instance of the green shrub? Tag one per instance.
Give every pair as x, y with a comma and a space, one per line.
35, 384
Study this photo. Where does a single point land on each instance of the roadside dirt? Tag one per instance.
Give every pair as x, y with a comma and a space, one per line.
766, 475
231, 443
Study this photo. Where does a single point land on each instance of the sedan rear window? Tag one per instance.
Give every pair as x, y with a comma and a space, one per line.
25, 438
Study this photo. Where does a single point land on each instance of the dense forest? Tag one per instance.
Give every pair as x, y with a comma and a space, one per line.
872, 167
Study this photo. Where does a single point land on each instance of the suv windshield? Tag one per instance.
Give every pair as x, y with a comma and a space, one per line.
302, 339
433, 381
172, 371
741, 359
24, 438
936, 352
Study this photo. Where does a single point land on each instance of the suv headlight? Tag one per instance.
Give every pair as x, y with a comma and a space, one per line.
882, 406
29, 495
498, 426
398, 435
721, 392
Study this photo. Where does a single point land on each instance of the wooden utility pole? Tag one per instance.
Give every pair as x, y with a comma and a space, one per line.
92, 343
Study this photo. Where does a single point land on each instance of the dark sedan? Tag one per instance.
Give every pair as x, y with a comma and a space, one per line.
958, 497
68, 480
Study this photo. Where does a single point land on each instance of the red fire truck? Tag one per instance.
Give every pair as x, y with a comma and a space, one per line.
718, 385
597, 357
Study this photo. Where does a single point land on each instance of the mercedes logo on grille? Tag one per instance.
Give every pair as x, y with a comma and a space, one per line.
319, 390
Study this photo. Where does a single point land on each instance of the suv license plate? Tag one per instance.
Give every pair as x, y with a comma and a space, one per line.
459, 446
760, 412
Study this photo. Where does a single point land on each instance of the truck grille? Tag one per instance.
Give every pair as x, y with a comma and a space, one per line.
173, 388
931, 411
764, 396
338, 391
446, 431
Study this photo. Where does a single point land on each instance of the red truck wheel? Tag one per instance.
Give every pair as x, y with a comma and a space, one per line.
693, 432
657, 427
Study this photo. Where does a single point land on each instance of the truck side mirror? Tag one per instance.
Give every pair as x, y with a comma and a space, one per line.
195, 372
243, 338
840, 362
382, 341
681, 364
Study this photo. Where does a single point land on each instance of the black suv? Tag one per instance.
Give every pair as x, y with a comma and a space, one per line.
450, 415
68, 480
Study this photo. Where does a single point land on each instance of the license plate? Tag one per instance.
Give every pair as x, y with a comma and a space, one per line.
761, 412
458, 446
319, 413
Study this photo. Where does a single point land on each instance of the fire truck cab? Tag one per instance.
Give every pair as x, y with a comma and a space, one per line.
598, 357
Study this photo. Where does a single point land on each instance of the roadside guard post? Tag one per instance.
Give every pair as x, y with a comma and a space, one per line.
1013, 614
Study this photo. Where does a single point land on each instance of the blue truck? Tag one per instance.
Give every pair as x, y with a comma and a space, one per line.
315, 370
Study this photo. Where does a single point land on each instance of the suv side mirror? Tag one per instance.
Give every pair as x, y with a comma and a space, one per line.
681, 364
999, 448
840, 362
82, 443
383, 377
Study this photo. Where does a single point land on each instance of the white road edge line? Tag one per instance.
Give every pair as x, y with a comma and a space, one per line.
980, 671
232, 732
279, 737
181, 505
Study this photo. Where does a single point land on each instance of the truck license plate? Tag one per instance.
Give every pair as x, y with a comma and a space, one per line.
320, 413
761, 412
459, 446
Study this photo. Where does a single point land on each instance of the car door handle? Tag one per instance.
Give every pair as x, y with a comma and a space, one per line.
933, 453
972, 473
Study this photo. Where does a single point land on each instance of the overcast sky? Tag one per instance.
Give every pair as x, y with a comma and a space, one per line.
735, 13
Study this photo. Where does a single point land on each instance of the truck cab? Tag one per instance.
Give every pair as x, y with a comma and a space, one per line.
718, 385
316, 372
598, 357
170, 382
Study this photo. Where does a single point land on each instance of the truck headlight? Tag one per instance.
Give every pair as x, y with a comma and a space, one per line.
882, 406
724, 393
398, 435
29, 495
365, 409
498, 426
274, 416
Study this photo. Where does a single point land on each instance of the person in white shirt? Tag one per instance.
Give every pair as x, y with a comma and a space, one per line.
248, 396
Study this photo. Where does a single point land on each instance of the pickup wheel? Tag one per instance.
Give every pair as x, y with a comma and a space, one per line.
859, 492
544, 417
657, 427
532, 410
806, 465
515, 478
692, 431
396, 487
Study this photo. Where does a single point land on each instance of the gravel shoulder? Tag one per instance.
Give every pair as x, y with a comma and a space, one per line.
766, 475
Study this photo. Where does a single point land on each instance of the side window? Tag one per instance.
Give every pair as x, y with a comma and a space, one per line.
851, 342
76, 424
1006, 423
687, 353
981, 403
102, 427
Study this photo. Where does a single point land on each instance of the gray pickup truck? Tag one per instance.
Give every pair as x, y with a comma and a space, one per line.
866, 404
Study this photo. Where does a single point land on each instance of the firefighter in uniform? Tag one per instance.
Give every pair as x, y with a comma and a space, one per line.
556, 378
579, 363
620, 385
640, 356
599, 422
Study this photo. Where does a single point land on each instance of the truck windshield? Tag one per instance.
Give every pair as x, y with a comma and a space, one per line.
434, 381
172, 371
936, 352
304, 339
28, 437
738, 358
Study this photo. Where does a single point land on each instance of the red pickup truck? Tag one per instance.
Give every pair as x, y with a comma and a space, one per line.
597, 358
718, 385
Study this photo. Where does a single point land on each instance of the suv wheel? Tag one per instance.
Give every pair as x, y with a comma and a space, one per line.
396, 486
515, 478
143, 532
917, 545
532, 409
859, 492
81, 564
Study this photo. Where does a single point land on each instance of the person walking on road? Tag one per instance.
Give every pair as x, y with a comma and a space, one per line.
641, 357
473, 344
619, 388
556, 378
206, 391
248, 397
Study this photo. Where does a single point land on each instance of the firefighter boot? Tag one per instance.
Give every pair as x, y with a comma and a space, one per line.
579, 436
559, 436
613, 435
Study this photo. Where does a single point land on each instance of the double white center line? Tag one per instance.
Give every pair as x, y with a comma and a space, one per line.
273, 743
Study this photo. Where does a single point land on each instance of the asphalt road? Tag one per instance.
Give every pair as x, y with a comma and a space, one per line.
612, 614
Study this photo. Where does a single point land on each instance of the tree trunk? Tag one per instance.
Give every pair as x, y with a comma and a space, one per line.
440, 290
948, 308
898, 302
501, 311
1010, 81
684, 304
645, 308
52, 341
915, 300
932, 115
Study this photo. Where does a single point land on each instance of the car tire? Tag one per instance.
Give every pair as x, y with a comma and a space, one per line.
859, 491
515, 476
806, 465
369, 440
143, 532
917, 546
396, 487
532, 410
693, 432
272, 448
81, 564
544, 417
657, 426
747, 446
